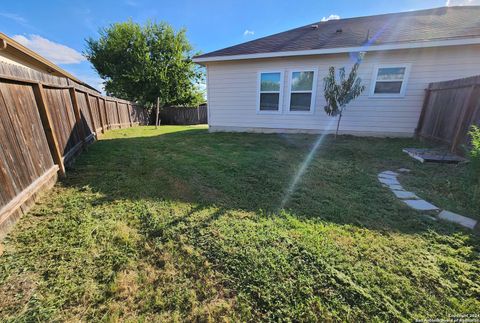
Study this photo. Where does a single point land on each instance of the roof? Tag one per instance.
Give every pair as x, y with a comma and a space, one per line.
28, 55
386, 30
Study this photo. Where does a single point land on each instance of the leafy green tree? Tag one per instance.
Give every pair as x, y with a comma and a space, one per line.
143, 63
339, 94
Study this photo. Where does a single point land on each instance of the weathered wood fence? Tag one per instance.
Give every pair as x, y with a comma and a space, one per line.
449, 109
184, 115
44, 122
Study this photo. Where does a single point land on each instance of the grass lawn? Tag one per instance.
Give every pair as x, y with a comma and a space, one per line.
178, 224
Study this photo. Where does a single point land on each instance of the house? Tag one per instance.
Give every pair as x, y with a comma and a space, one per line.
12, 52
275, 83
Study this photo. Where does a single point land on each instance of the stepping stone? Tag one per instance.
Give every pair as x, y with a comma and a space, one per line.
388, 172
396, 187
404, 170
387, 176
420, 205
405, 195
389, 181
457, 218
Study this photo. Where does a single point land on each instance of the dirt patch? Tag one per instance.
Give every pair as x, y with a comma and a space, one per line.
15, 293
127, 285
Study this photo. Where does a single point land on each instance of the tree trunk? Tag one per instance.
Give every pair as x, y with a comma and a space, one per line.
158, 111
338, 124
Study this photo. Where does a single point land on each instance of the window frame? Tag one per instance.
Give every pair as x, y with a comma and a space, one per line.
280, 92
313, 91
403, 88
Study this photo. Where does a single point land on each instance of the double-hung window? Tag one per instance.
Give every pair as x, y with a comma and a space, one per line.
302, 91
389, 81
270, 92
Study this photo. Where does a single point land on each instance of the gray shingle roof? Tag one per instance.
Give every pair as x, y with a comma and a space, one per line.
404, 27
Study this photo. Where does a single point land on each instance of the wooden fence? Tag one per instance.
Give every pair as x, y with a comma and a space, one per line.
44, 122
449, 109
184, 115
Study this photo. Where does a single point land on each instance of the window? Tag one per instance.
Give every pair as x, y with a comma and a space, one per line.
270, 94
302, 91
389, 81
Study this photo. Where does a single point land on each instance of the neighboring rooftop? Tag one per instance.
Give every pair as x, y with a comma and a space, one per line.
445, 23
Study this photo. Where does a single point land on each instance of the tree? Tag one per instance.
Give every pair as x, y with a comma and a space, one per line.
143, 63
338, 95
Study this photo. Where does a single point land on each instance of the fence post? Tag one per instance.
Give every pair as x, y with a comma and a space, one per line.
102, 125
129, 110
106, 113
158, 111
94, 130
424, 108
465, 109
47, 126
78, 116
118, 115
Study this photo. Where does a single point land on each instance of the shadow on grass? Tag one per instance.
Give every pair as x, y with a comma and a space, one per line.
166, 224
251, 172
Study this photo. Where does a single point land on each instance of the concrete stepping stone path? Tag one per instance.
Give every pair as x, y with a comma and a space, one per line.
457, 218
421, 205
404, 194
389, 179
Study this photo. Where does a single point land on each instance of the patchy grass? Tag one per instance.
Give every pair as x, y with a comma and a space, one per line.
450, 187
177, 224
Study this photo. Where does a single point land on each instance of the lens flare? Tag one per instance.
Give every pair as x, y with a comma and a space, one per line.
305, 163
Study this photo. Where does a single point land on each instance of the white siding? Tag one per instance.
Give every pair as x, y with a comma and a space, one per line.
232, 91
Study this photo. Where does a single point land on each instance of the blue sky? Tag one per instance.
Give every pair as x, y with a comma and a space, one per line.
58, 29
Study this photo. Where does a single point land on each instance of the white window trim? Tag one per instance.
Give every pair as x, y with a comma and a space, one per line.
314, 90
280, 93
403, 89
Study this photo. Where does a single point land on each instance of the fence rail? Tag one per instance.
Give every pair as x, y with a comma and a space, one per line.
44, 122
449, 109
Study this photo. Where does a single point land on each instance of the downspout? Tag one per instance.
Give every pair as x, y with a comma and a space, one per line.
208, 97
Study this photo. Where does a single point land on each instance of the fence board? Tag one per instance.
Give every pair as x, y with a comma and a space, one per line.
64, 122
47, 127
24, 155
45, 121
95, 114
184, 115
450, 108
86, 120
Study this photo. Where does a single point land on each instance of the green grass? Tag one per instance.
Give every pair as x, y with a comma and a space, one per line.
178, 224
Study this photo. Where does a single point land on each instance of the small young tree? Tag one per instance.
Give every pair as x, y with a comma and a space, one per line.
338, 95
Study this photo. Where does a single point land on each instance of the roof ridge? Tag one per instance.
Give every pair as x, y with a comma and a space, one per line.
397, 13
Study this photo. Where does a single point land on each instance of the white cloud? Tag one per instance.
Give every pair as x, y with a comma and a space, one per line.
57, 53
248, 32
13, 16
331, 17
450, 3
